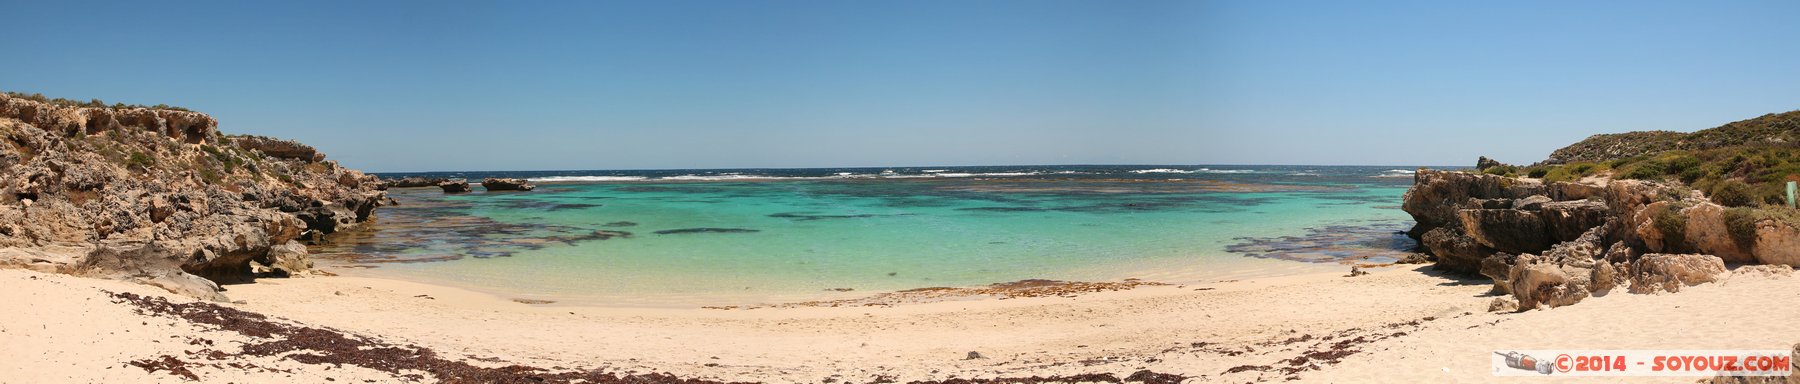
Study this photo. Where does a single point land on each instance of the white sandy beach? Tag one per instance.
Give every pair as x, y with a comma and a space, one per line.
1416, 326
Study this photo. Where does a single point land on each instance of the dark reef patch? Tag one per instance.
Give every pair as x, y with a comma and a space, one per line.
617, 224
669, 189
428, 229
1374, 243
705, 230
540, 205
1003, 209
802, 216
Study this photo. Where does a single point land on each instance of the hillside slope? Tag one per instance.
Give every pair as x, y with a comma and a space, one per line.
1775, 129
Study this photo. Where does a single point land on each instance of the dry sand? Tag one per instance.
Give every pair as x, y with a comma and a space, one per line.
1395, 325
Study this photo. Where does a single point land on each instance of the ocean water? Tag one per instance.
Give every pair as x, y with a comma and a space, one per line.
718, 237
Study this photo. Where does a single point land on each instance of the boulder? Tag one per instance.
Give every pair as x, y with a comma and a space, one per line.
1659, 272
1707, 233
505, 184
286, 260
454, 186
1777, 243
1549, 281
1537, 284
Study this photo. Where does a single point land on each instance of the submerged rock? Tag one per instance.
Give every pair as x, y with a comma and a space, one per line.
606, 234
705, 230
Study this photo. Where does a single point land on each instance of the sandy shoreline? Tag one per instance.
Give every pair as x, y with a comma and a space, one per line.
1396, 324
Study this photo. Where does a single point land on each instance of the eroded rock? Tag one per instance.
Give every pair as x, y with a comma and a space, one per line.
502, 184
454, 186
1659, 272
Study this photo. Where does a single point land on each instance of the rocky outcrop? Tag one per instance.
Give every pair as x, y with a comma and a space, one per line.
181, 126
1436, 196
279, 148
1554, 244
1463, 218
502, 184
454, 186
1483, 163
161, 197
413, 182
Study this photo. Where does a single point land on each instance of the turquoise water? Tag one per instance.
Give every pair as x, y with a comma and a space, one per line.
736, 239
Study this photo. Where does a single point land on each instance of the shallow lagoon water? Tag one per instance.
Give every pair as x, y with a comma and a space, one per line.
758, 236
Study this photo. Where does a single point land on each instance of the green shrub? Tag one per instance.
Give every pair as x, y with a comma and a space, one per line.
1671, 224
1740, 223
140, 160
1648, 170
1678, 162
1732, 193
1585, 168
1539, 172
1563, 173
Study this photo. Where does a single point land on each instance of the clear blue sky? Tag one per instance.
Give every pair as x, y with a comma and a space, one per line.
413, 86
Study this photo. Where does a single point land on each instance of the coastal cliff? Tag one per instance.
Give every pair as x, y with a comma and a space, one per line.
159, 196
1640, 211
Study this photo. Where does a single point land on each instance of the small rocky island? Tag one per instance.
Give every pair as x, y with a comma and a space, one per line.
1642, 212
159, 195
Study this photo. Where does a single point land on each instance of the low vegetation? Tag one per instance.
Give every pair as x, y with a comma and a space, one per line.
91, 103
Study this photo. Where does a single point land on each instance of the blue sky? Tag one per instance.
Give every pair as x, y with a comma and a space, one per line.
416, 86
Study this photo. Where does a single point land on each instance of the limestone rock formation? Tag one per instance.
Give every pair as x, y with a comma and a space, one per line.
502, 184
413, 182
1555, 244
1668, 273
1463, 218
161, 197
279, 148
454, 186
1777, 243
